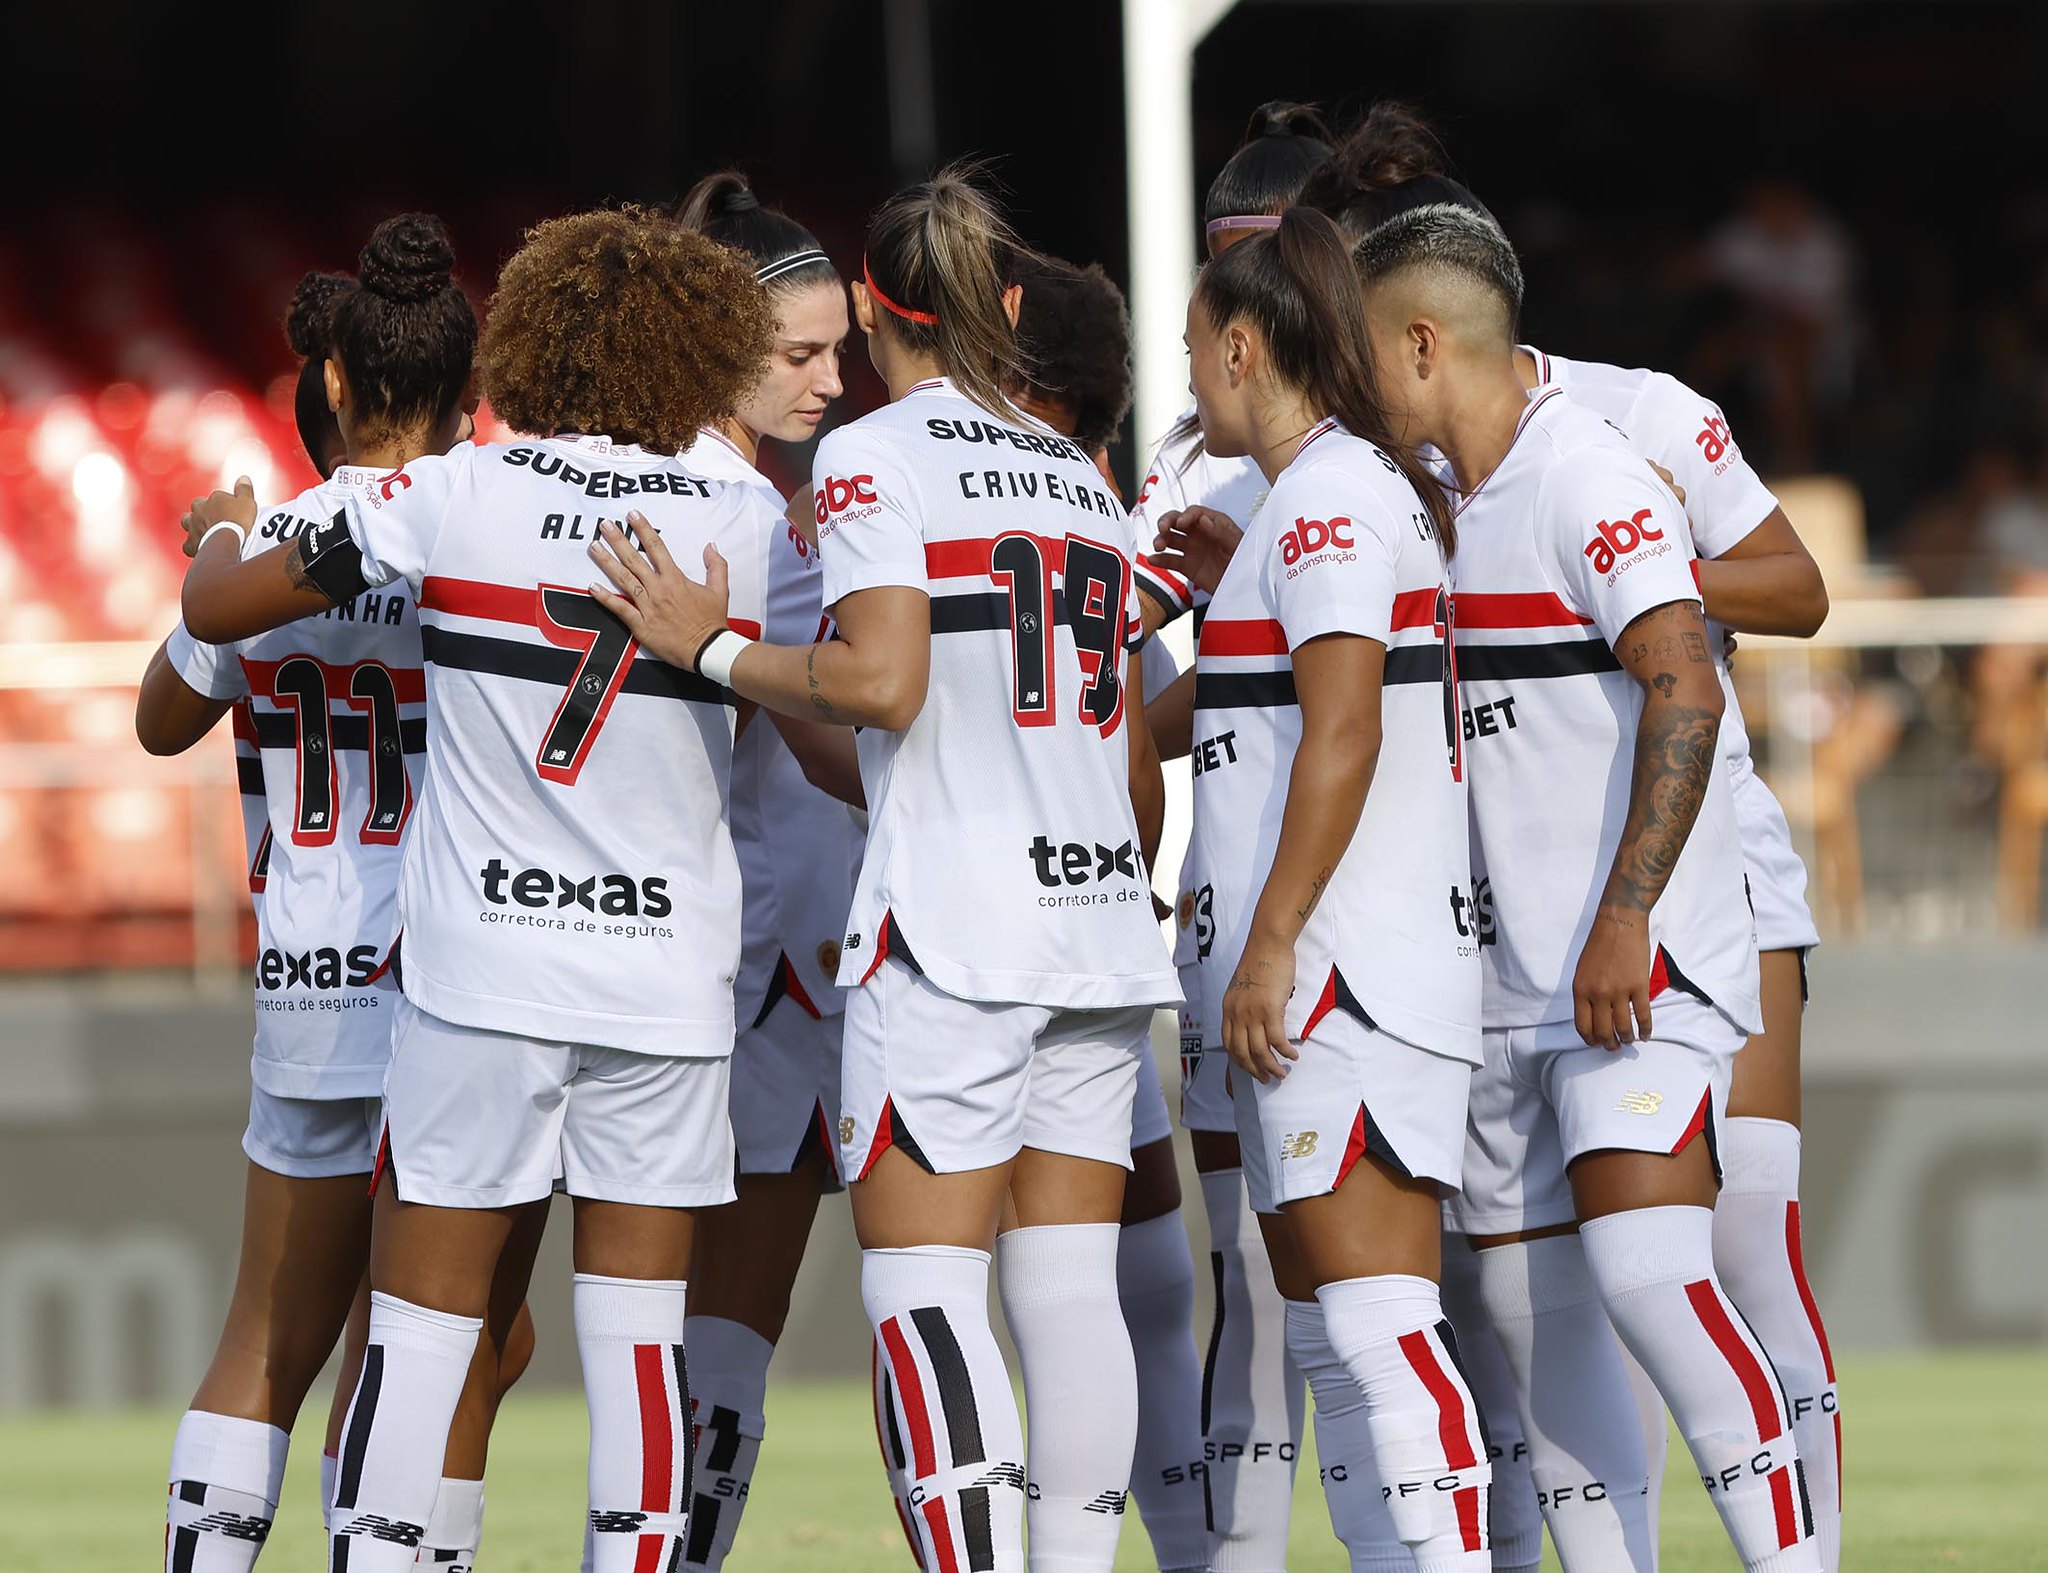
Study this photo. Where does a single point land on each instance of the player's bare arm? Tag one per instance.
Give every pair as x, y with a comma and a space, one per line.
1766, 583
873, 674
1337, 679
1667, 653
1196, 543
170, 716
1171, 716
228, 596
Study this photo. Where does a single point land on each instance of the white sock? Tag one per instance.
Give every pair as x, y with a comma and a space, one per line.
1578, 1418
1758, 1258
1514, 1521
1390, 1332
1351, 1482
1058, 1285
396, 1434
728, 1398
455, 1527
1650, 1414
954, 1407
1655, 1270
226, 1477
629, 1336
1155, 1281
889, 1438
1252, 1396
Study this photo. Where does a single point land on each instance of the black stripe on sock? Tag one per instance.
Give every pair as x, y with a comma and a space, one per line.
703, 1527
675, 1354
1805, 1501
348, 1478
337, 1556
675, 1555
725, 1441
1448, 1335
193, 1491
1777, 1382
975, 1530
1209, 1384
889, 1414
184, 1547
956, 1387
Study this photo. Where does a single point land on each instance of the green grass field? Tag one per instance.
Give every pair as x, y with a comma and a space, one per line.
1944, 1466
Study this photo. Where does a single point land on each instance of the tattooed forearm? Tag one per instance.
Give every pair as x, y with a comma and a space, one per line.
1673, 759
1315, 894
295, 565
819, 702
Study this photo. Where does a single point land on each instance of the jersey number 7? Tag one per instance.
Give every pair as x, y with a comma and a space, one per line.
574, 618
1095, 585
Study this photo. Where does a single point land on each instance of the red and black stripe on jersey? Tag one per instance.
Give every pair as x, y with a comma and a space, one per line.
1265, 640
1516, 636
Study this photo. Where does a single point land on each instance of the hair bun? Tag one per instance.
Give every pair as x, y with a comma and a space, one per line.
408, 259
309, 320
738, 199
1281, 117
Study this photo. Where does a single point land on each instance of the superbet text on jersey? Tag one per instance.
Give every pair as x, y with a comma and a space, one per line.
572, 876
1002, 849
1566, 543
335, 709
1342, 546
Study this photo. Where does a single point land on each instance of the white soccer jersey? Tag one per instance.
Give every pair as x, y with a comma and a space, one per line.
336, 711
1181, 475
1568, 541
799, 848
1343, 546
569, 874
1002, 850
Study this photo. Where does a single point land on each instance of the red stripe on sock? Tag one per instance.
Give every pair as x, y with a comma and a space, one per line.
1453, 1429
1838, 1455
1798, 1258
1782, 1507
1467, 1504
911, 1389
1749, 1371
942, 1534
657, 1435
647, 1555
909, 1532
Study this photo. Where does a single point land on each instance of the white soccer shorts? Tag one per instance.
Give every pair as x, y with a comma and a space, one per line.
489, 1119
964, 1084
785, 1090
312, 1138
1354, 1090
1535, 1109
1777, 876
1204, 1071
1149, 1120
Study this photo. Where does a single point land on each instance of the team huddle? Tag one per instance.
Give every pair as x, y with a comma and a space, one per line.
651, 836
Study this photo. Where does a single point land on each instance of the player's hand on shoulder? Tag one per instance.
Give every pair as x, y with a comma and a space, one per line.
1255, 1011
235, 507
671, 615
1669, 480
1611, 988
1197, 543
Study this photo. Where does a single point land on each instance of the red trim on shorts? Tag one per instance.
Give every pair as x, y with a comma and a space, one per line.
910, 1387
828, 1142
793, 986
1763, 1400
881, 948
1354, 1149
1453, 1428
384, 966
1697, 1125
1796, 1254
885, 1137
383, 1160
1325, 1003
1660, 973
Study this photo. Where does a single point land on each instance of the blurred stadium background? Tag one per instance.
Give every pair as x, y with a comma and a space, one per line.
1815, 212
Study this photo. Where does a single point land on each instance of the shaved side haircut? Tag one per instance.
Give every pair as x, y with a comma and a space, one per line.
1451, 242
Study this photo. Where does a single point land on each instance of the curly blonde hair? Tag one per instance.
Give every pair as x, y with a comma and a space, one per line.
624, 324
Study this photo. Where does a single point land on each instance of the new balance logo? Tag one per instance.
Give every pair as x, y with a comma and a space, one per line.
397, 1531
616, 1523
1640, 1103
1298, 1144
235, 1526
1111, 1502
1011, 1475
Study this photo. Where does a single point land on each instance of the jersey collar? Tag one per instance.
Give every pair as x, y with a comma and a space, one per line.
1537, 399
930, 385
1327, 424
360, 477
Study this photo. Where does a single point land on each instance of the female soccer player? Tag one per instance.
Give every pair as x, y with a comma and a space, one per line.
1330, 814
799, 851
1755, 576
1001, 945
569, 894
334, 718
1251, 1390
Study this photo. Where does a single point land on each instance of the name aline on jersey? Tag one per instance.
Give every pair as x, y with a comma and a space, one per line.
1026, 483
614, 895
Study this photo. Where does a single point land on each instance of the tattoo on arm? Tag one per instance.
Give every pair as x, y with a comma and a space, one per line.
1315, 894
295, 565
819, 702
1673, 759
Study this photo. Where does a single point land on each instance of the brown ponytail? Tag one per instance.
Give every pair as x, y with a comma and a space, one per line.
1296, 285
938, 258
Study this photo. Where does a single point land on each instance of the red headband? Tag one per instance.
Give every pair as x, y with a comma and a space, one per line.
868, 278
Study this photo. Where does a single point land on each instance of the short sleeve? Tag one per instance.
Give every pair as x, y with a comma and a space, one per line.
1687, 433
796, 590
1616, 538
870, 516
1161, 670
747, 534
1162, 492
395, 520
1333, 569
211, 671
